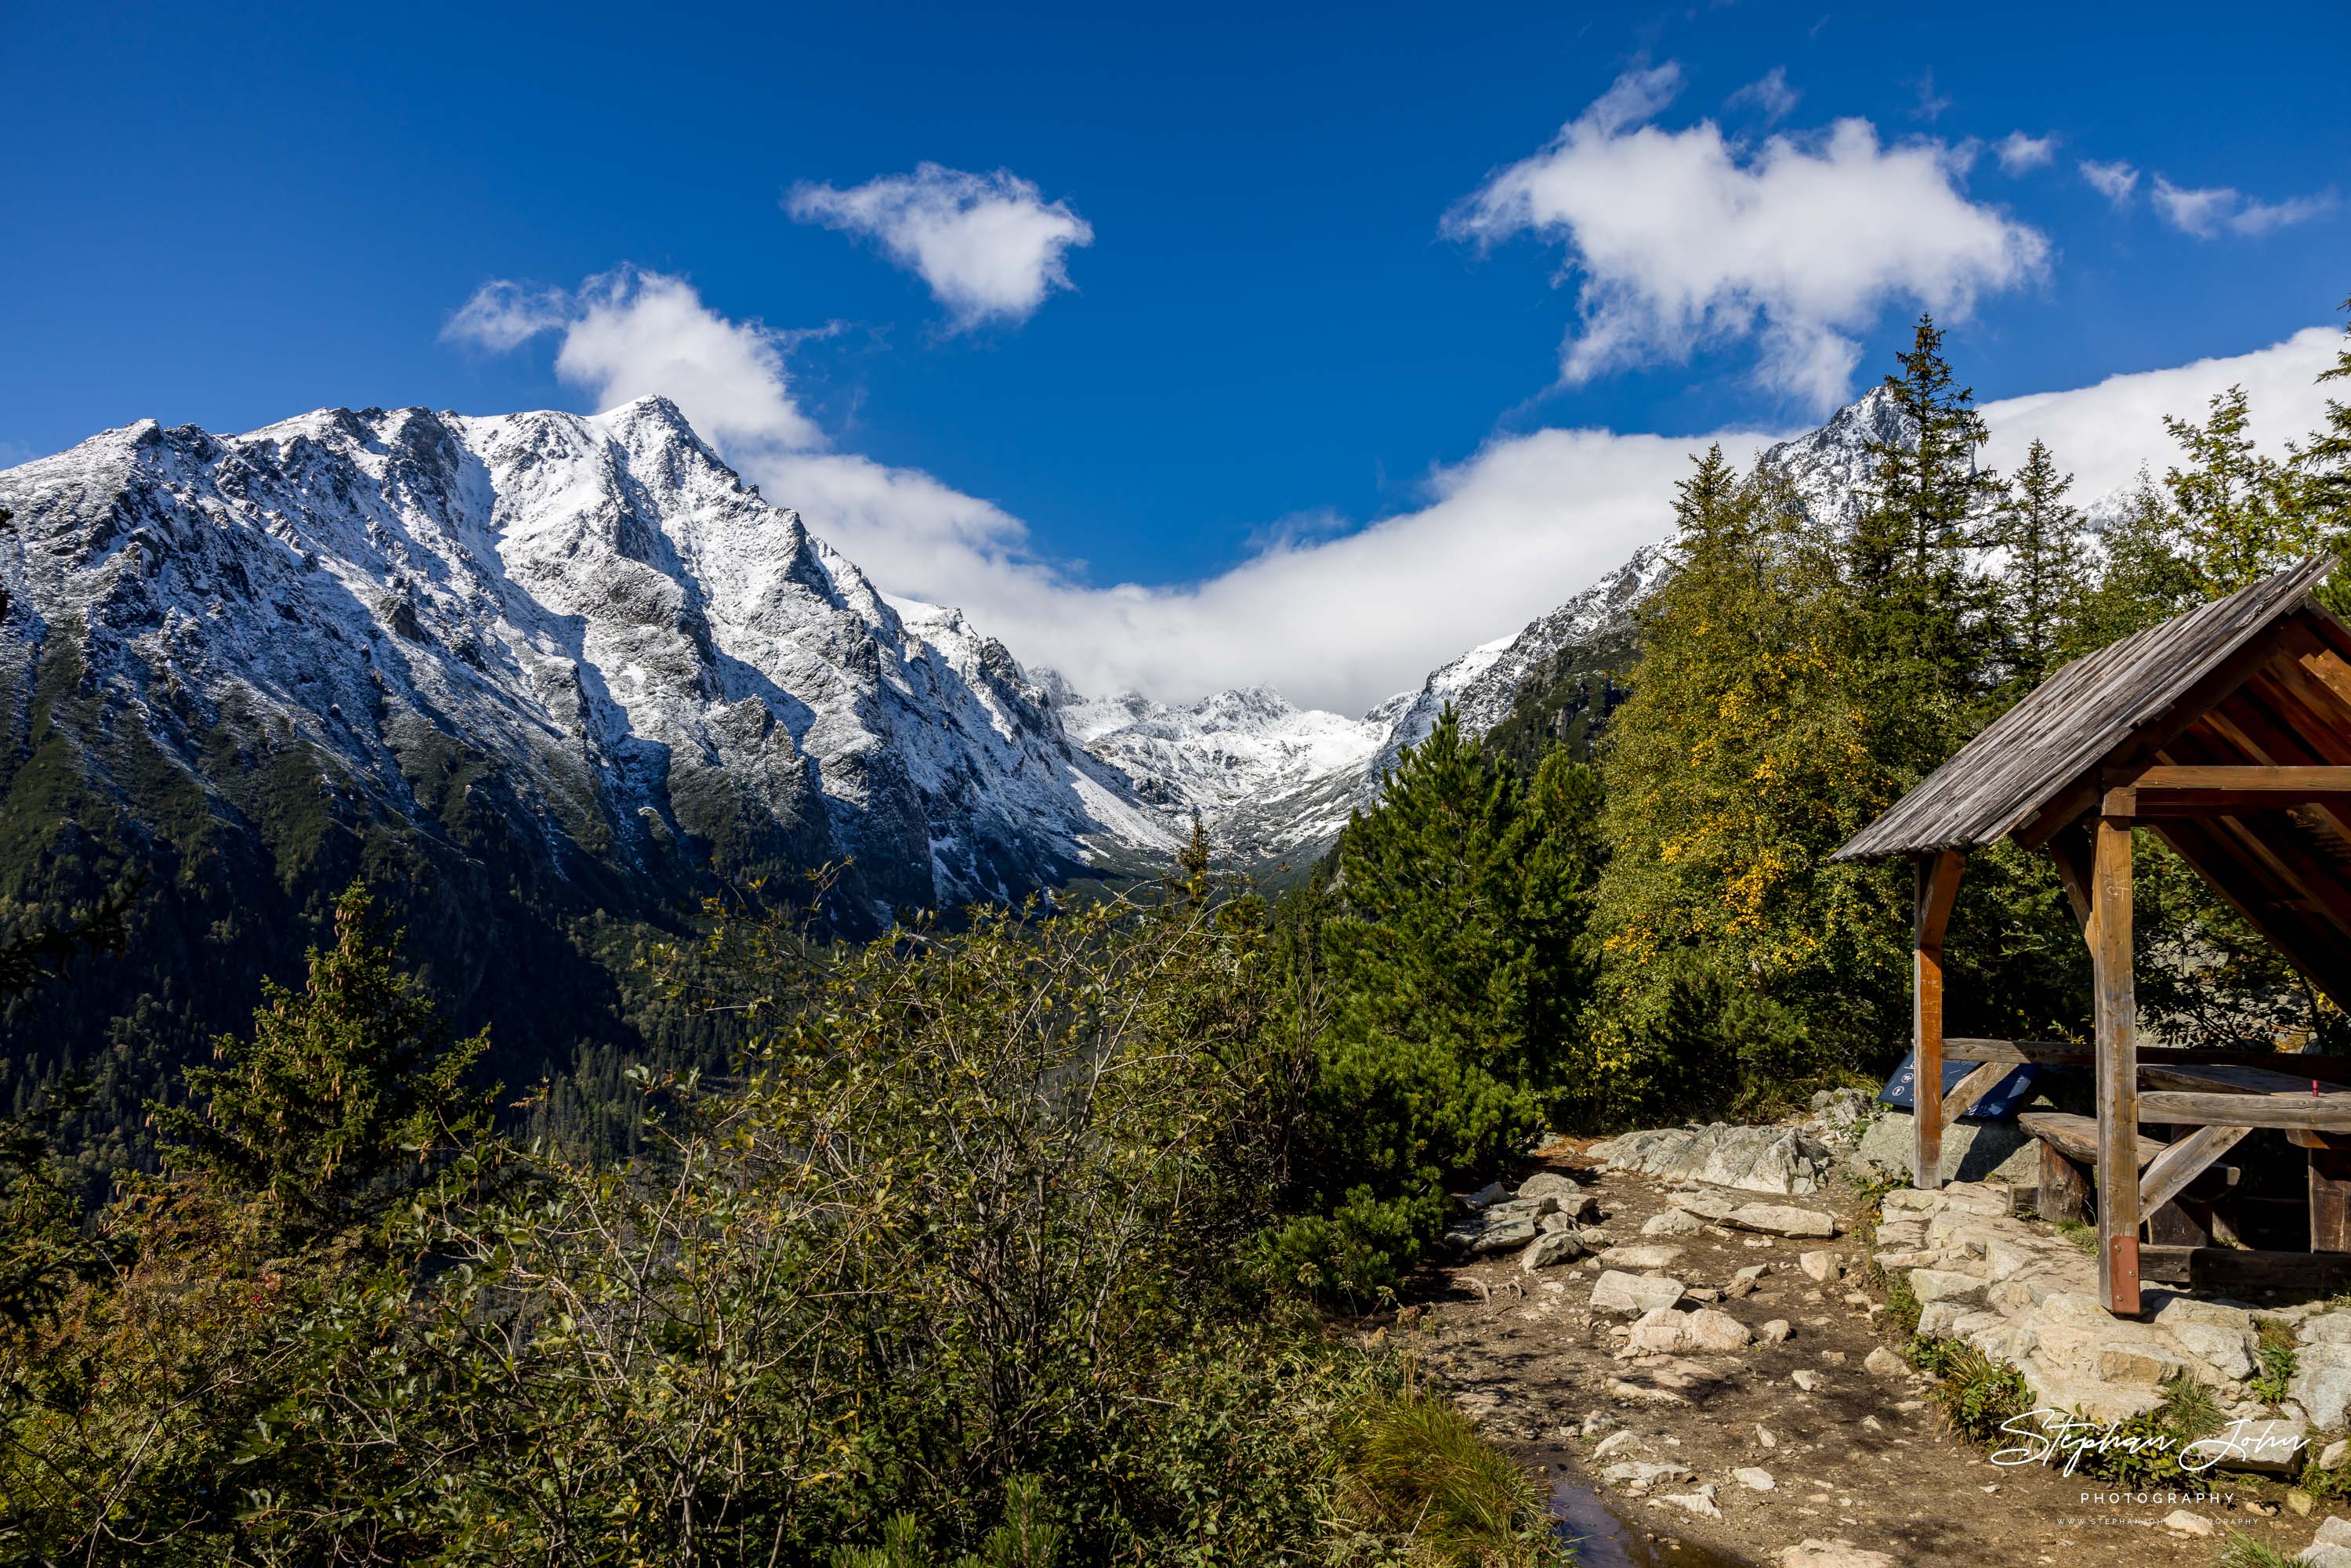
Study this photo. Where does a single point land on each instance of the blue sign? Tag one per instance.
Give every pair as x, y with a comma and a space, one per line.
1998, 1102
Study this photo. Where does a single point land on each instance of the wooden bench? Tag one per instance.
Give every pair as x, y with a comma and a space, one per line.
2069, 1154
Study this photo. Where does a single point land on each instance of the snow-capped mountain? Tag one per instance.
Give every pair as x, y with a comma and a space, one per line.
579, 651
586, 628
1272, 780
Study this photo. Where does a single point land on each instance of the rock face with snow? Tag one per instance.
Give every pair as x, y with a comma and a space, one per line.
1274, 780
580, 645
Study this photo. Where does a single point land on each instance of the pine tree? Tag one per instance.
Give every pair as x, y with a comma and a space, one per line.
1911, 549
2325, 462
2238, 514
2047, 576
342, 1087
1733, 962
1458, 967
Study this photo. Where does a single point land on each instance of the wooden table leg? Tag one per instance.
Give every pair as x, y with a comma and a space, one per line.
2330, 1200
2063, 1193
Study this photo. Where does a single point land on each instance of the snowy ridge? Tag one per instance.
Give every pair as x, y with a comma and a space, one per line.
653, 670
586, 632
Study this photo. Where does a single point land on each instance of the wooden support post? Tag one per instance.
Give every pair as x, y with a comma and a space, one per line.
2062, 1195
2117, 1017
2330, 1200
1939, 884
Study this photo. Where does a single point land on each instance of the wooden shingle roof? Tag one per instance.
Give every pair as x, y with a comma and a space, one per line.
2077, 719
2261, 680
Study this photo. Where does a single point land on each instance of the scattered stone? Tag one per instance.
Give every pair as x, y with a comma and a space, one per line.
1699, 1502
2325, 1557
1617, 1443
1551, 1247
1743, 1283
1776, 1331
1822, 1267
1486, 1196
1972, 1151
1708, 1330
1884, 1363
1636, 1476
1672, 1222
1754, 1479
1549, 1183
1810, 1381
1834, 1357
1658, 1333
2185, 1523
2331, 1457
1781, 1219
1704, 1293
1633, 1294
2321, 1383
1502, 1237
1944, 1285
1779, 1160
2300, 1502
1836, 1553
2333, 1530
1763, 1436
1633, 1255
1713, 1206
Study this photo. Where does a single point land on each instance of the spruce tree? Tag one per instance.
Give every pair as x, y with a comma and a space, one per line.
342, 1087
2325, 462
2047, 575
1910, 561
2238, 514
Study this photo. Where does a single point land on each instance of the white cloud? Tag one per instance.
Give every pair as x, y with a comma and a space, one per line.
628, 332
2200, 213
2113, 181
1771, 96
2018, 153
1332, 619
1931, 103
503, 315
1683, 238
2206, 210
989, 245
2101, 434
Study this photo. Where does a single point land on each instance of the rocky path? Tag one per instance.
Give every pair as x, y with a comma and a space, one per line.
1763, 1416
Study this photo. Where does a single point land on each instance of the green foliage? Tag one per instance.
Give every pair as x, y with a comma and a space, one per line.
1902, 1307
1976, 1393
1736, 964
342, 1085
2276, 1358
2047, 578
1453, 946
1416, 1464
966, 1268
2242, 1550
2189, 1408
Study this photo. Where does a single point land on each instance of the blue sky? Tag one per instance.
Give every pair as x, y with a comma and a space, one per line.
1334, 261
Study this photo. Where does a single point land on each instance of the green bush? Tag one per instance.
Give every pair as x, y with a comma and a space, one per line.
984, 1209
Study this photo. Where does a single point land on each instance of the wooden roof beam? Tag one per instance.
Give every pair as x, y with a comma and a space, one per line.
2205, 791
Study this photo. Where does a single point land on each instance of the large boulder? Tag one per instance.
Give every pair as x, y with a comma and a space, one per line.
2322, 1383
1778, 1160
1633, 1294
1972, 1151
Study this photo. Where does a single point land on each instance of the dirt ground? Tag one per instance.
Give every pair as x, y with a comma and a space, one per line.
1864, 1458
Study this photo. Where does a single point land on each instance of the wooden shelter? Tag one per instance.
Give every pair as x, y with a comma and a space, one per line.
2227, 733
